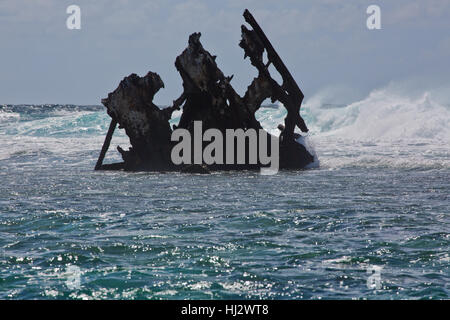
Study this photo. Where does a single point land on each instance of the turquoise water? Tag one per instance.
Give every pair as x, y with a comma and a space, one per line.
377, 197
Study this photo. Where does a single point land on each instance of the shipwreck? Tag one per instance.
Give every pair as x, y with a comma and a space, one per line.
208, 97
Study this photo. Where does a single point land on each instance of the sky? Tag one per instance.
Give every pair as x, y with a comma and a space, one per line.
324, 43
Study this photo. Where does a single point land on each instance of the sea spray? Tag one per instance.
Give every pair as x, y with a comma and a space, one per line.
384, 115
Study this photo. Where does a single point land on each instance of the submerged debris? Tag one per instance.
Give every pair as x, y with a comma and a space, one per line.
208, 97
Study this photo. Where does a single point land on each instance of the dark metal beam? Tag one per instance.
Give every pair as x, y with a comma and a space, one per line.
106, 143
275, 58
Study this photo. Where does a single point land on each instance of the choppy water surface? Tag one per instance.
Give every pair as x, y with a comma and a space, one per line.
378, 199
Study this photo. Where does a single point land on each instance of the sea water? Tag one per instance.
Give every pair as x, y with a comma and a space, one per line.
369, 219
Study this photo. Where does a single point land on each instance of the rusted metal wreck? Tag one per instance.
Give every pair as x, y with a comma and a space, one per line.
208, 97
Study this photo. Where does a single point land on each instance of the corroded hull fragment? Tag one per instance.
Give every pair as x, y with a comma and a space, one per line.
209, 97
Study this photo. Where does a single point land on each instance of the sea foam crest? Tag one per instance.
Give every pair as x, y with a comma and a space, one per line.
383, 115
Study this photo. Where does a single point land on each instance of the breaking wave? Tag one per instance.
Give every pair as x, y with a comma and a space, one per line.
383, 115
387, 126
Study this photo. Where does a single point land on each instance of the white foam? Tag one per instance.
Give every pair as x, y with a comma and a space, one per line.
176, 116
307, 142
385, 115
6, 116
390, 127
66, 135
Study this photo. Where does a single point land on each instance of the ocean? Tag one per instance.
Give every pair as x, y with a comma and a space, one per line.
370, 219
